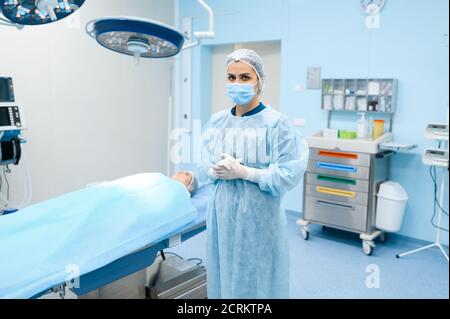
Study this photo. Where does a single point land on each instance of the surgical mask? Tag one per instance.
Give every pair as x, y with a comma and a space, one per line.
241, 94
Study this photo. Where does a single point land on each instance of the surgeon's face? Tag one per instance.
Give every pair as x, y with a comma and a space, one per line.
242, 73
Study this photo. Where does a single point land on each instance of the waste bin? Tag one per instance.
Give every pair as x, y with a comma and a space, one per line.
391, 203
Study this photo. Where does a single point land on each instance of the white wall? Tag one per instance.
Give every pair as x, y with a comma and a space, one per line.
91, 115
270, 52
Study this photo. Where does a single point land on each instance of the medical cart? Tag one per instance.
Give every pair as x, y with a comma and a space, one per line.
344, 175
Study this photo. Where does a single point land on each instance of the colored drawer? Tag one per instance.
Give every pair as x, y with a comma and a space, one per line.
341, 170
358, 159
336, 194
345, 183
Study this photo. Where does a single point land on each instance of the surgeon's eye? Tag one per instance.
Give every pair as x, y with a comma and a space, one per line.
231, 77
245, 78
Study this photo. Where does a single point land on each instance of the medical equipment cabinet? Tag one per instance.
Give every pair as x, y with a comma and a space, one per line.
343, 176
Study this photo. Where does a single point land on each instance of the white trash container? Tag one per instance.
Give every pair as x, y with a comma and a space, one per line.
391, 205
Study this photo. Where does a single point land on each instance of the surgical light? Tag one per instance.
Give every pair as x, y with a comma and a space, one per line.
136, 37
36, 12
143, 38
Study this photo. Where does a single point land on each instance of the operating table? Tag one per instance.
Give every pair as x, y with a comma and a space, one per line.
140, 258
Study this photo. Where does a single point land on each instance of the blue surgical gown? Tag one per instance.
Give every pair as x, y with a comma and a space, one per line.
247, 249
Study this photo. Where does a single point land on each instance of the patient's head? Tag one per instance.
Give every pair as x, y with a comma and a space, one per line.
188, 180
183, 177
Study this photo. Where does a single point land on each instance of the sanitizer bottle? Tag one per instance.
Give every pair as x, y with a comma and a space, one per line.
362, 127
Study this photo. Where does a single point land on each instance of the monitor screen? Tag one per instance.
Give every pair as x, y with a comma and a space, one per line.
4, 117
6, 90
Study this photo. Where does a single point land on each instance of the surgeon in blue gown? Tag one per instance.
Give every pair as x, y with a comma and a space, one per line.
253, 155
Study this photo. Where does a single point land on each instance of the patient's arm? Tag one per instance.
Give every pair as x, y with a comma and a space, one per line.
188, 180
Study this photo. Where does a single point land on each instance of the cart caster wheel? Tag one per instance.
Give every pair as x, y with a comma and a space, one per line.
383, 237
305, 234
367, 248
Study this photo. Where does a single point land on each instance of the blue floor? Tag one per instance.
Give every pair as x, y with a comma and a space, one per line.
331, 265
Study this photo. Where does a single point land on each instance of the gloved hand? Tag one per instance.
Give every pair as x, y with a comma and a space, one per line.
230, 168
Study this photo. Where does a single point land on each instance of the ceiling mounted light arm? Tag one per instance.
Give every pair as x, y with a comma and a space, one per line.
210, 33
200, 35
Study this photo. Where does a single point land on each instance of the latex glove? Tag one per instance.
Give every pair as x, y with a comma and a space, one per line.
227, 162
230, 168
